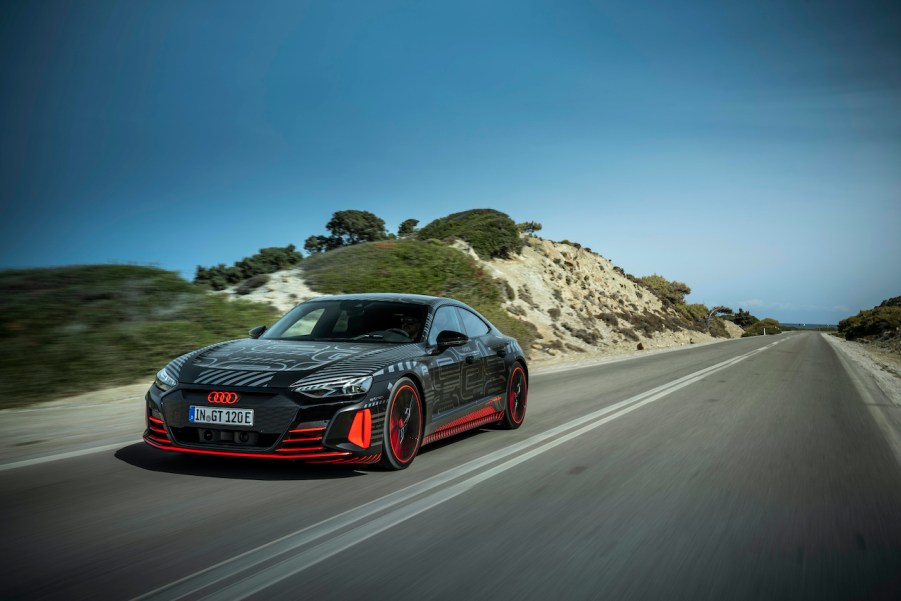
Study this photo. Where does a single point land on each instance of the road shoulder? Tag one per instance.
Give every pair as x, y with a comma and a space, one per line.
879, 386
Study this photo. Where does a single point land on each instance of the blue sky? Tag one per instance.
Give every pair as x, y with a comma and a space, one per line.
751, 150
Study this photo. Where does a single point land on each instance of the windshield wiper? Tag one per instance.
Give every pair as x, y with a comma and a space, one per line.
369, 337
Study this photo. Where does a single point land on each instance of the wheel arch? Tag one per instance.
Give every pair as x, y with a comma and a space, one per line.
522, 361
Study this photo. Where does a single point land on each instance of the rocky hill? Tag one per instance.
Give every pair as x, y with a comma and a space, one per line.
579, 303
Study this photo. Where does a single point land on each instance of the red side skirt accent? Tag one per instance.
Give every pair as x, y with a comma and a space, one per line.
480, 417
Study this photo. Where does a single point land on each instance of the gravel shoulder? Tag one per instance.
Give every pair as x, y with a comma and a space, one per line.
885, 367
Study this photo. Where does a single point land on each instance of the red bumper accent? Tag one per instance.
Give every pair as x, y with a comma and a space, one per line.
301, 443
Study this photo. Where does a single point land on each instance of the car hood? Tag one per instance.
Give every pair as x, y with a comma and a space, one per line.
279, 363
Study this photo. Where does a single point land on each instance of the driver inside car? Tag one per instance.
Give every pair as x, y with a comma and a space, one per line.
412, 325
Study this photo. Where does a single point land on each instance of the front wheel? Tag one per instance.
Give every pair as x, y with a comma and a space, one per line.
402, 433
517, 396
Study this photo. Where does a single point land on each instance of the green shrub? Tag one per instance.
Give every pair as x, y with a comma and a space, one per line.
75, 329
767, 324
268, 260
743, 318
672, 293
252, 283
491, 234
695, 312
872, 322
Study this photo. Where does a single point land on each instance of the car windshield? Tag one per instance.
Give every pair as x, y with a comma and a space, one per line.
351, 320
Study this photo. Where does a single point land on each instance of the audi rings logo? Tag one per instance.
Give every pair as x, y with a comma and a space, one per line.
223, 398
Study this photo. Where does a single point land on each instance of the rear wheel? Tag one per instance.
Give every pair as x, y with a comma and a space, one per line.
403, 426
517, 396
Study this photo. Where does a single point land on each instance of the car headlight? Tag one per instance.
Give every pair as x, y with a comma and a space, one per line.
163, 380
337, 388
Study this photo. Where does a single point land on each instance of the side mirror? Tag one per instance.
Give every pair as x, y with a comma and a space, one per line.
258, 331
449, 338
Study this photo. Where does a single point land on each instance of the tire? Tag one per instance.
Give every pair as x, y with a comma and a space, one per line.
400, 443
517, 397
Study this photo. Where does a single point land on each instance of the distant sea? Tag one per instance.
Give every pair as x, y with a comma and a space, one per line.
811, 326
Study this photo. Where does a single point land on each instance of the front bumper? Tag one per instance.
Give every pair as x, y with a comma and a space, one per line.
283, 428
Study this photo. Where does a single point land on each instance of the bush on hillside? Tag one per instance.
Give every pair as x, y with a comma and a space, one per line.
491, 234
251, 284
268, 260
672, 293
416, 267
744, 318
766, 325
873, 322
70, 330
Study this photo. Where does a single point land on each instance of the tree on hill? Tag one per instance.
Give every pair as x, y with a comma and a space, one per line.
321, 244
744, 318
714, 312
346, 229
407, 228
353, 227
491, 234
529, 227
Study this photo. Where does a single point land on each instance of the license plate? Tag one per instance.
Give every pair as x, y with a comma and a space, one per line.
225, 417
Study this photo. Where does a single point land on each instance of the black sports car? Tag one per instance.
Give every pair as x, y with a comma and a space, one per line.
360, 378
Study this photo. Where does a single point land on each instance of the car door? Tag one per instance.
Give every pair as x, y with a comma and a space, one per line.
476, 354
447, 367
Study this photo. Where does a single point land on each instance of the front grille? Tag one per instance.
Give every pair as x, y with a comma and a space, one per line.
268, 418
223, 438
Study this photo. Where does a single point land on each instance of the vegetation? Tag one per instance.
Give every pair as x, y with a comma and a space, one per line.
878, 321
491, 234
407, 228
529, 227
347, 228
744, 319
252, 283
268, 260
672, 293
70, 330
767, 325
417, 267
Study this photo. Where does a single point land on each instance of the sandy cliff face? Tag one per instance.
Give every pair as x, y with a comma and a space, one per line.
284, 290
581, 302
578, 300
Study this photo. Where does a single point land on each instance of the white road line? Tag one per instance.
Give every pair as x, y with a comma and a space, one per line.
329, 537
66, 455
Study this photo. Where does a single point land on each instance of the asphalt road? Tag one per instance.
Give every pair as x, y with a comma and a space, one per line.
753, 469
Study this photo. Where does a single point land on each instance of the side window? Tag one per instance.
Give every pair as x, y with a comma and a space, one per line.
445, 319
472, 325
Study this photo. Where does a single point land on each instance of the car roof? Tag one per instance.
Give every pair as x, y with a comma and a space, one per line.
421, 299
